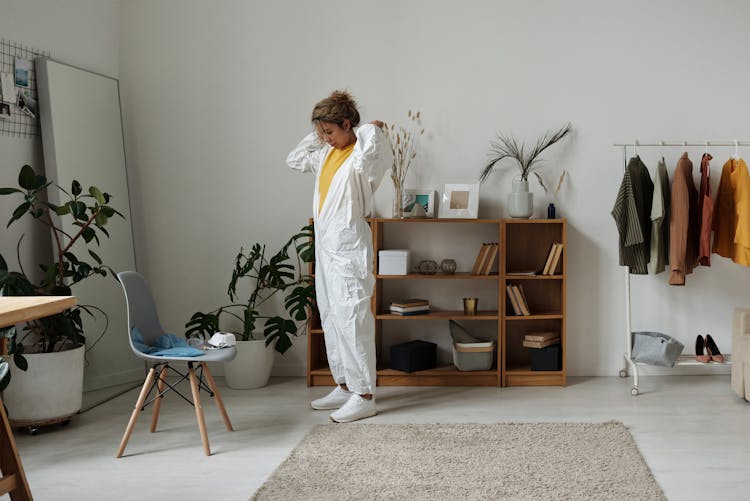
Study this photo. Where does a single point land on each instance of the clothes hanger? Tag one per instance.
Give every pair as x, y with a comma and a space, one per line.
635, 147
736, 150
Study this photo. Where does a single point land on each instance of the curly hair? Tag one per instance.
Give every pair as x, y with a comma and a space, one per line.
336, 108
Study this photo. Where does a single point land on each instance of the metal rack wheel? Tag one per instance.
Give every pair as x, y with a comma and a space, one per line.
634, 391
32, 430
623, 373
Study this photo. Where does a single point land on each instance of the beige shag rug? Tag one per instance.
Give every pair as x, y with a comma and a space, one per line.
464, 462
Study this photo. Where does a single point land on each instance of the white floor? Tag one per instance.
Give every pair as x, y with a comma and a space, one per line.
692, 430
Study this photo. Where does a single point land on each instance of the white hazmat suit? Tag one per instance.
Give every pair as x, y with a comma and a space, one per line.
344, 278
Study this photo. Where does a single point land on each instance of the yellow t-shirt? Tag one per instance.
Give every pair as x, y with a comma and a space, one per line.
334, 160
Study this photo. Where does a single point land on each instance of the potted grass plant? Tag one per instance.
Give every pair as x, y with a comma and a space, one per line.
263, 278
49, 352
527, 160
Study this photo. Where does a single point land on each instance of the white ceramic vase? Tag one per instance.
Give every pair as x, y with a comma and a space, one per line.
520, 200
51, 389
252, 366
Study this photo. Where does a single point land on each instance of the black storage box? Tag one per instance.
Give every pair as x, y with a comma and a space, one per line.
546, 359
413, 356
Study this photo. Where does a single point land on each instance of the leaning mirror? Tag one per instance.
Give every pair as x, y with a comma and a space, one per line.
82, 140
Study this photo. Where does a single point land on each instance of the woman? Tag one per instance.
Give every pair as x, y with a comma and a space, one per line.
349, 163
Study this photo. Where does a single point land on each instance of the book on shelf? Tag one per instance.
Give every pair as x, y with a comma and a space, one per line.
556, 259
513, 300
409, 309
491, 257
524, 273
521, 296
410, 313
480, 260
410, 302
548, 261
541, 336
540, 344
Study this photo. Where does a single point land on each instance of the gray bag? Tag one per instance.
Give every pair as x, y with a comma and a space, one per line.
655, 348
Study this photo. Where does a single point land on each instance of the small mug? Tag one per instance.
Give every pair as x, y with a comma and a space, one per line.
470, 305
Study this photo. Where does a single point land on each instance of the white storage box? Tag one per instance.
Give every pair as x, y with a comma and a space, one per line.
393, 262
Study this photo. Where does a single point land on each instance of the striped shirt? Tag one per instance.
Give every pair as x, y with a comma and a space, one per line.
632, 215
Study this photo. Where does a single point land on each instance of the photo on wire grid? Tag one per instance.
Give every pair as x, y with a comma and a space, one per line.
23, 72
4, 111
26, 103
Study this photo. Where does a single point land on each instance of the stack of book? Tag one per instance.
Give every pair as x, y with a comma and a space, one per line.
485, 259
553, 259
411, 306
518, 299
541, 339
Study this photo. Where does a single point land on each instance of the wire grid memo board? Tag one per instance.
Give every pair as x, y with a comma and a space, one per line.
19, 123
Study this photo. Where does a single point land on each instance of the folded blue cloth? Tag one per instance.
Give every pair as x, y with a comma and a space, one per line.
166, 345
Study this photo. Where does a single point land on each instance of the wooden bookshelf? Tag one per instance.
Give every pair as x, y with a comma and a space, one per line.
524, 245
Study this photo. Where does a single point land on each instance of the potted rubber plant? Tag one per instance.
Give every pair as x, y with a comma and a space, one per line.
527, 160
49, 352
264, 277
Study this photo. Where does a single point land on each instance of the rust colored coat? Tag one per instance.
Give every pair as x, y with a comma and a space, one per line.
684, 223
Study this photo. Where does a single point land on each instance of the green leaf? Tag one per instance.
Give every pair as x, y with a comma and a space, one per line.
202, 324
108, 211
75, 188
63, 209
100, 219
19, 212
26, 177
8, 191
280, 328
71, 257
88, 234
97, 194
20, 361
299, 301
3, 264
95, 256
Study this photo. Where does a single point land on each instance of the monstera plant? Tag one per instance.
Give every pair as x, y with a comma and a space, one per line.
266, 277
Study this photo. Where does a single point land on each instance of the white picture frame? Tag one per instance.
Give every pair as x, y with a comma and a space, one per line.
423, 196
460, 201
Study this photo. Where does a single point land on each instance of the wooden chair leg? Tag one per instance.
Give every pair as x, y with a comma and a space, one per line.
217, 396
198, 409
12, 477
157, 403
136, 410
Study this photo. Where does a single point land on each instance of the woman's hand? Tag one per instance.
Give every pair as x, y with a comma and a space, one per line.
378, 123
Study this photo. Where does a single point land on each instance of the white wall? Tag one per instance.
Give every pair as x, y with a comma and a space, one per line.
216, 94
83, 33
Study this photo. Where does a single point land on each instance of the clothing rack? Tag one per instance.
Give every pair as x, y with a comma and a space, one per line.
684, 359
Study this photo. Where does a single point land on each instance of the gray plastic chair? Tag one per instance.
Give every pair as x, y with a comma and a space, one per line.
142, 313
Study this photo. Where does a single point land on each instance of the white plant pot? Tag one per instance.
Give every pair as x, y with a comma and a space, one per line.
520, 200
51, 389
252, 366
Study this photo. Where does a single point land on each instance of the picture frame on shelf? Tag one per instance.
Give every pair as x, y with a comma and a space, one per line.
418, 196
460, 201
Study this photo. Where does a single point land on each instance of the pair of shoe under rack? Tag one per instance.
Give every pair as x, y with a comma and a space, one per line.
706, 350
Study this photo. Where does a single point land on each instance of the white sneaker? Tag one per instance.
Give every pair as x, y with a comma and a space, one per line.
356, 408
333, 400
